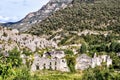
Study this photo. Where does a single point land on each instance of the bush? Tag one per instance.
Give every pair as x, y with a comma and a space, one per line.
83, 48
9, 63
14, 58
99, 74
22, 74
69, 52
71, 61
115, 47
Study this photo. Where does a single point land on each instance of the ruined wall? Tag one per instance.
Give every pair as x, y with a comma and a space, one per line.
41, 63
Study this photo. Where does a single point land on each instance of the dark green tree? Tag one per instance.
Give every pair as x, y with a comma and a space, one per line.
83, 48
115, 47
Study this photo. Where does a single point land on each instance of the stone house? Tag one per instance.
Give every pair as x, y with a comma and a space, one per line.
54, 62
83, 61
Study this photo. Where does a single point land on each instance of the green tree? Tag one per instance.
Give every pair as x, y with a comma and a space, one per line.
117, 48
69, 52
113, 46
71, 63
14, 58
98, 74
9, 63
83, 48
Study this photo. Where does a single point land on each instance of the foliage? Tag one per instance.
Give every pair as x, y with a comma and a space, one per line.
83, 48
26, 52
115, 47
22, 74
5, 34
100, 74
71, 61
102, 15
14, 58
9, 63
116, 61
69, 52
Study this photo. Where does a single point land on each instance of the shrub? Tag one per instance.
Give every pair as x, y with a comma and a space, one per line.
115, 47
71, 63
69, 52
83, 48
99, 74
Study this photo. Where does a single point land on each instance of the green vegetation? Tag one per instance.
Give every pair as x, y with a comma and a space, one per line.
100, 74
116, 61
11, 68
71, 61
69, 52
102, 15
56, 75
115, 47
83, 48
9, 63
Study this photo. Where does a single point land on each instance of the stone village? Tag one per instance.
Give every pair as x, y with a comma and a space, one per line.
58, 62
54, 60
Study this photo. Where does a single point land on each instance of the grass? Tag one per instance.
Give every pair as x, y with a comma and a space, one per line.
56, 75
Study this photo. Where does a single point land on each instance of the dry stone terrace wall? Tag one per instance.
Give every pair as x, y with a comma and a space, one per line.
12, 38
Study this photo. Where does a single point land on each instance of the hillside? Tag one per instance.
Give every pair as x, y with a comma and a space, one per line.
38, 16
100, 15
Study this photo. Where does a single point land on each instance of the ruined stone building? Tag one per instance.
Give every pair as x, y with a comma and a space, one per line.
83, 61
50, 60
55, 60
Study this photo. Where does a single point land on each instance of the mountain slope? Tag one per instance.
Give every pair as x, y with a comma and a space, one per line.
35, 17
102, 15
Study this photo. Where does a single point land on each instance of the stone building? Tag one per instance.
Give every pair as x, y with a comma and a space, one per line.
83, 62
55, 60
50, 61
98, 60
